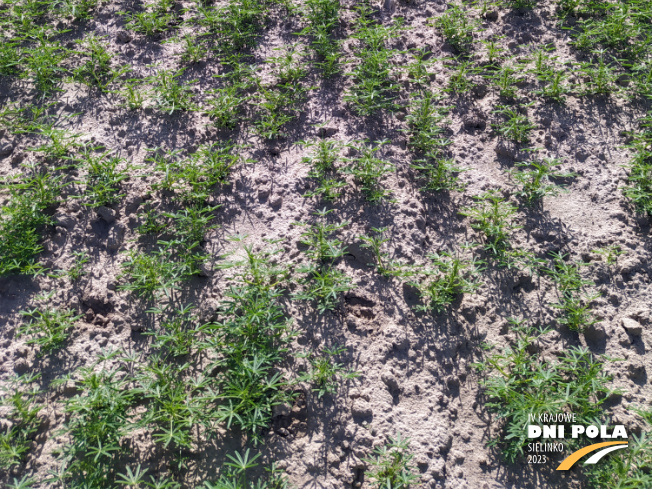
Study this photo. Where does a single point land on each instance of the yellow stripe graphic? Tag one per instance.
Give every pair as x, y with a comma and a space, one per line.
575, 456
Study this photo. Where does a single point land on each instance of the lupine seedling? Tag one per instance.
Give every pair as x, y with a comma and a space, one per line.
104, 178
152, 221
373, 89
153, 275
425, 124
494, 49
536, 179
391, 465
177, 334
226, 107
325, 373
322, 16
22, 220
251, 335
573, 304
492, 215
60, 142
520, 384
11, 57
236, 24
170, 94
235, 475
368, 170
384, 265
96, 69
278, 106
599, 79
515, 125
193, 49
440, 174
96, 422
418, 71
175, 408
133, 95
322, 162
79, 9
639, 180
461, 79
25, 482
288, 67
21, 399
47, 328
457, 28
77, 269
322, 248
609, 254
566, 274
324, 283
505, 79
44, 63
448, 279
149, 22
627, 470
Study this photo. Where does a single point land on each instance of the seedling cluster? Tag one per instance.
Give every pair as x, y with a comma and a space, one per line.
196, 377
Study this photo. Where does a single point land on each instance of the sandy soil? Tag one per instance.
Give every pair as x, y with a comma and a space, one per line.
416, 374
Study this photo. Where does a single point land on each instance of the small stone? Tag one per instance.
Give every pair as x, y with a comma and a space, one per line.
261, 179
64, 220
263, 193
491, 16
124, 37
357, 394
632, 326
21, 366
6, 149
629, 266
132, 203
108, 215
205, 270
474, 122
422, 462
458, 456
137, 326
361, 409
480, 91
327, 132
636, 371
595, 333
506, 150
282, 410
116, 237
69, 389
397, 337
17, 158
390, 381
276, 201
100, 320
582, 154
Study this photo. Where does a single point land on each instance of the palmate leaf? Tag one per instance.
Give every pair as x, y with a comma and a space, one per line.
242, 462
